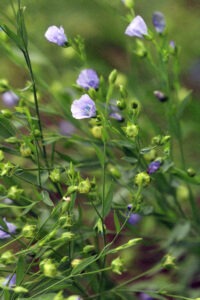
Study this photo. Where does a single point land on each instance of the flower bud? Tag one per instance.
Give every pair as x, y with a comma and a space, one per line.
99, 226
12, 140
3, 85
182, 193
74, 297
14, 193
141, 50
20, 289
29, 231
49, 268
121, 104
59, 296
114, 171
160, 96
6, 113
71, 189
128, 3
55, 175
65, 221
25, 150
84, 186
75, 262
68, 236
169, 262
6, 169
88, 249
151, 155
7, 258
123, 92
142, 179
1, 155
131, 130
112, 77
117, 265
191, 172
97, 131
36, 133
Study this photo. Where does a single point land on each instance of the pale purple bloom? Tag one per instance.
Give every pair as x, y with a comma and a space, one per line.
10, 98
144, 296
66, 128
172, 44
158, 21
153, 167
160, 96
56, 35
133, 217
83, 108
11, 229
115, 113
137, 28
87, 79
10, 280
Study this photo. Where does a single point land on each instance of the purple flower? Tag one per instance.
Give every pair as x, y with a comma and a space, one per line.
160, 96
10, 98
133, 218
137, 28
83, 108
10, 280
87, 79
56, 35
144, 296
11, 229
158, 21
115, 113
153, 167
66, 128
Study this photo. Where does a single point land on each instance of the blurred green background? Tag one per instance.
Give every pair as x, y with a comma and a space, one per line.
101, 23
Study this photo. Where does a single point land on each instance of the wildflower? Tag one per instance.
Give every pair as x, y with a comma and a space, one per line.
133, 218
66, 128
153, 167
116, 115
87, 79
74, 297
144, 296
10, 280
158, 21
4, 234
56, 35
137, 28
10, 98
160, 96
83, 108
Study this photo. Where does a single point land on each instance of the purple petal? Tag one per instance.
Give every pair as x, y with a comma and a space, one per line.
153, 167
10, 98
56, 35
158, 21
134, 219
83, 108
10, 280
11, 229
137, 28
87, 79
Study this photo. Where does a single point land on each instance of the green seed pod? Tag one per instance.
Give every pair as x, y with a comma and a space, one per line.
97, 131
112, 77
49, 268
131, 130
7, 258
25, 150
191, 172
142, 179
55, 175
15, 193
84, 186
117, 265
29, 231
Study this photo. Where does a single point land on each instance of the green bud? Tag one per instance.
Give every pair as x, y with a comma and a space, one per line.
117, 265
131, 130
121, 104
6, 169
25, 150
156, 140
169, 262
59, 296
92, 93
4, 85
29, 231
150, 156
68, 236
142, 179
1, 155
75, 262
165, 139
55, 175
36, 133
114, 171
97, 131
6, 113
99, 226
20, 289
141, 50
182, 193
191, 172
88, 249
71, 189
112, 77
14, 193
12, 140
123, 92
64, 259
49, 268
74, 297
65, 221
84, 186
129, 3
7, 258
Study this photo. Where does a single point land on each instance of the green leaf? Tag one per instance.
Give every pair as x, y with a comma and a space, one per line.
117, 223
6, 128
20, 270
13, 36
183, 104
99, 154
130, 243
21, 26
49, 296
185, 177
46, 199
108, 199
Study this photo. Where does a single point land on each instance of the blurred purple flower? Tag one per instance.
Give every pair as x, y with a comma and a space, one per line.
87, 79
160, 96
10, 280
83, 108
153, 167
66, 128
10, 98
56, 35
172, 44
158, 21
137, 28
144, 296
115, 113
133, 218
11, 229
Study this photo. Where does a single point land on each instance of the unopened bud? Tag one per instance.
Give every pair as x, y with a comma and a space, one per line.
68, 236
7, 258
75, 262
25, 150
131, 130
12, 140
29, 231
114, 171
55, 175
169, 262
128, 3
112, 77
88, 249
74, 297
121, 104
84, 186
142, 179
97, 131
123, 92
59, 296
20, 289
191, 172
117, 266
15, 193
49, 268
